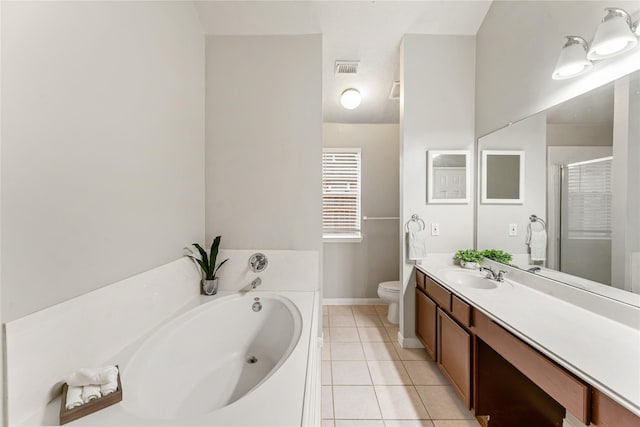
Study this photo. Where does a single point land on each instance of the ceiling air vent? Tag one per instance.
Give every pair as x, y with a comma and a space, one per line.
347, 67
395, 90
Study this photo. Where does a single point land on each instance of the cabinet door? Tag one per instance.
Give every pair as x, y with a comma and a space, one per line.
426, 323
454, 355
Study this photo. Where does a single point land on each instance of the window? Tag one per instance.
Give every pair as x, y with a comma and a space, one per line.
341, 193
589, 191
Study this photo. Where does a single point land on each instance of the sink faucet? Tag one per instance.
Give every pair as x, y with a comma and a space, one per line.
256, 282
534, 269
491, 274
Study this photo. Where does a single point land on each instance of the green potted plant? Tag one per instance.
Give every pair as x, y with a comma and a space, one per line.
209, 283
469, 258
498, 256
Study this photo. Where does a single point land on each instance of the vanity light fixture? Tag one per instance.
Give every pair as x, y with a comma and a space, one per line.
615, 35
573, 59
350, 98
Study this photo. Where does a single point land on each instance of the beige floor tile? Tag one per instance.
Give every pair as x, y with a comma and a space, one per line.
326, 334
408, 423
423, 372
327, 423
392, 331
327, 401
410, 353
456, 423
350, 372
325, 320
367, 319
400, 403
382, 309
346, 351
355, 403
443, 403
380, 351
344, 335
326, 372
367, 309
326, 351
341, 320
373, 334
339, 309
359, 423
388, 372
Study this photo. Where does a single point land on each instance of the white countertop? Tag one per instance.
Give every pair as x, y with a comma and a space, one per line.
603, 352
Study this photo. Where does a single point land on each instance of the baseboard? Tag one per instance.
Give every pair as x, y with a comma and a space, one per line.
352, 301
409, 342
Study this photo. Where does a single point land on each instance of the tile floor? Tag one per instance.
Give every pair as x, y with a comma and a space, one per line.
368, 380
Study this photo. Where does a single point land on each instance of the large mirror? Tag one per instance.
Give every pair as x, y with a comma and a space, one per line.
448, 176
579, 222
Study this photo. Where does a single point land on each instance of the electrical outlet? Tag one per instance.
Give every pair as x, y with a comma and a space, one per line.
513, 229
435, 229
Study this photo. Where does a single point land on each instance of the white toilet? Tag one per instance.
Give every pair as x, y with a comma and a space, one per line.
389, 292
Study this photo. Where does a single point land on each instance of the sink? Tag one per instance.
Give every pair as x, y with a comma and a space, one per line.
469, 278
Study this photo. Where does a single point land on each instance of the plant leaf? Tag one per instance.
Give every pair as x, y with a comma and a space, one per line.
200, 263
215, 246
218, 267
205, 259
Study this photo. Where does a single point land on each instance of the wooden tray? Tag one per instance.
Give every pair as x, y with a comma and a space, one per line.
68, 415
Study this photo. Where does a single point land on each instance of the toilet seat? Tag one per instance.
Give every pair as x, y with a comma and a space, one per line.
393, 286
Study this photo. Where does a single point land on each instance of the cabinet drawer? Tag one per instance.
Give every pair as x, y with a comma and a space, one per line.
607, 413
420, 279
566, 389
461, 311
440, 295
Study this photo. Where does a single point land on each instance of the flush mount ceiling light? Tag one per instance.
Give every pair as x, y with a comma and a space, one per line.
350, 98
613, 36
573, 59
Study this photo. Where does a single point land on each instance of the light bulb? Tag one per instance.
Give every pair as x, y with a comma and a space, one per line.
350, 98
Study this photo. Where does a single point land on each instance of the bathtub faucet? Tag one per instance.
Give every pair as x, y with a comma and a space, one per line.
256, 282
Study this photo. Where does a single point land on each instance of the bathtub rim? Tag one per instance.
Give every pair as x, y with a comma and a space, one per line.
145, 346
305, 388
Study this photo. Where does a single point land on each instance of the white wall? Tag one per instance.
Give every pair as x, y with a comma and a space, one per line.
626, 179
567, 134
518, 45
528, 135
102, 144
436, 112
264, 141
354, 270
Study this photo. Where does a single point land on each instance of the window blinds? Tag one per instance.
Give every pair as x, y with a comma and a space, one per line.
341, 188
589, 189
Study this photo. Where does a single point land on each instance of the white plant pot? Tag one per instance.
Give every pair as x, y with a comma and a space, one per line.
469, 265
209, 287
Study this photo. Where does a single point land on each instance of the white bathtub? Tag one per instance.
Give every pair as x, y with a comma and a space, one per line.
196, 368
198, 364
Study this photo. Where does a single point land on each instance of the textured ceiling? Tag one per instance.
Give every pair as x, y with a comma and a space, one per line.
368, 31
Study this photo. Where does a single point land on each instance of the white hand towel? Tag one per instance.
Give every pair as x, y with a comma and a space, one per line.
90, 392
112, 385
417, 244
74, 397
538, 245
86, 376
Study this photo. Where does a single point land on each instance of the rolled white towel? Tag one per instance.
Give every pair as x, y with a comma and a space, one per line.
87, 376
112, 385
90, 392
74, 397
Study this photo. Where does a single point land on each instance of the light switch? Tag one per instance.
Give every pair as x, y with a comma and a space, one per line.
435, 229
513, 229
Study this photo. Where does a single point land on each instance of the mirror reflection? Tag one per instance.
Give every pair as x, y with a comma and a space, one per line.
580, 220
502, 176
448, 176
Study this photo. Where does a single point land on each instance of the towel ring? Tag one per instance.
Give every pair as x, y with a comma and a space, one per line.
535, 218
415, 219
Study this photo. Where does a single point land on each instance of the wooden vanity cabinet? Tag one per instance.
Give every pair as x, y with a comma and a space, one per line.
454, 355
607, 413
426, 322
441, 319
